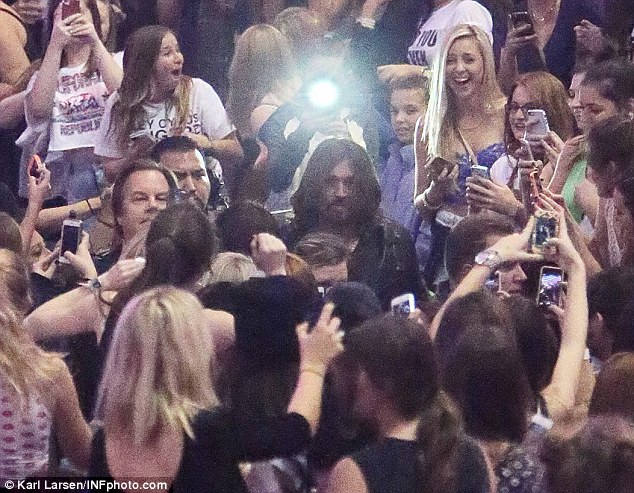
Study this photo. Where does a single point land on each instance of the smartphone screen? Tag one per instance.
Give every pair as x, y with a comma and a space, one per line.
403, 305
70, 7
536, 124
71, 236
521, 19
493, 283
545, 228
550, 280
481, 171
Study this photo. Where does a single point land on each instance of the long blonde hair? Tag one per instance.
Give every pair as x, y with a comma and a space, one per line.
440, 126
262, 63
23, 365
141, 53
158, 371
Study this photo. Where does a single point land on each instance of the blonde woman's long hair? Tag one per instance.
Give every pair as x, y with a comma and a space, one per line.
158, 372
23, 365
440, 125
141, 53
263, 63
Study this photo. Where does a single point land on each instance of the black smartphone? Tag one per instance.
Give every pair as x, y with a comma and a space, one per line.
550, 279
437, 165
71, 237
521, 19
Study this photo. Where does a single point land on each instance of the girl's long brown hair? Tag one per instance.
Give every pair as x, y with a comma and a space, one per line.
141, 53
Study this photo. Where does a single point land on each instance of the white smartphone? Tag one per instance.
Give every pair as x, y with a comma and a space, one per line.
71, 237
536, 125
403, 305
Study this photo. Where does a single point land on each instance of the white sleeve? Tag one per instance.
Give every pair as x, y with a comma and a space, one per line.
211, 112
470, 12
106, 140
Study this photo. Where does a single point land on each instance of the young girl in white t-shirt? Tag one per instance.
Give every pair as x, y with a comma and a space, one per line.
156, 101
66, 98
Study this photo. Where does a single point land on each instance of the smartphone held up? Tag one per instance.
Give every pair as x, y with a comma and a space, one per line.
70, 7
550, 286
403, 305
546, 227
71, 236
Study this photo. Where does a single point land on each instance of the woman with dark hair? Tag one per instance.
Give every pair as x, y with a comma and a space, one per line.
533, 90
178, 251
156, 100
397, 390
611, 165
613, 392
598, 458
65, 101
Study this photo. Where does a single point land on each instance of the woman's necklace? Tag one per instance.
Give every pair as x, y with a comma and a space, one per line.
547, 14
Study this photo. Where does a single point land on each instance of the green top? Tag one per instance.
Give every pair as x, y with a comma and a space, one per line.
577, 175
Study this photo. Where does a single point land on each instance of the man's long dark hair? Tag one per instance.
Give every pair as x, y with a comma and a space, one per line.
330, 153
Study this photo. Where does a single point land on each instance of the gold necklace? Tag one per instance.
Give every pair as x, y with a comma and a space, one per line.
547, 14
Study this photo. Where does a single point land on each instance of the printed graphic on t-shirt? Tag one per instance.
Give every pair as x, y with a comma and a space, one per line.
81, 104
161, 126
425, 40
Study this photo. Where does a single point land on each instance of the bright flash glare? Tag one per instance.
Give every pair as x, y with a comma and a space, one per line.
323, 94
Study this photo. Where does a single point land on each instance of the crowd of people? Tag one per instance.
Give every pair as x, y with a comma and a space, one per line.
364, 246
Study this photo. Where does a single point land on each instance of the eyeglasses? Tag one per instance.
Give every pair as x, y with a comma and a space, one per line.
512, 108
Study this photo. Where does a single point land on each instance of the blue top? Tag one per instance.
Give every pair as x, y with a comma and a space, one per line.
486, 157
397, 177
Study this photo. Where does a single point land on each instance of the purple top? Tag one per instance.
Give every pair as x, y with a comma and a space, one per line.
396, 178
486, 157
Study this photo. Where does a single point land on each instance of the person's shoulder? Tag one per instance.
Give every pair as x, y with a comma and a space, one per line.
472, 10
200, 86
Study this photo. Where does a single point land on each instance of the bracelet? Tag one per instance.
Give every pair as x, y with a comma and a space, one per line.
314, 371
367, 22
426, 201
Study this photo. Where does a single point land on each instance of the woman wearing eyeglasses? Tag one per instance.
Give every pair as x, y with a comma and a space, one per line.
533, 90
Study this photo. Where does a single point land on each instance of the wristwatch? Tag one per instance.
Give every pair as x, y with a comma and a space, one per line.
93, 284
488, 258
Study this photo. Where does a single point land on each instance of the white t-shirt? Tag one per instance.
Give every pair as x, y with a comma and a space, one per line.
502, 170
207, 116
431, 34
78, 106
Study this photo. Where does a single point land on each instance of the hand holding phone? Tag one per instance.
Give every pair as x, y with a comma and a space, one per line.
403, 305
546, 227
70, 7
550, 286
437, 165
71, 236
521, 20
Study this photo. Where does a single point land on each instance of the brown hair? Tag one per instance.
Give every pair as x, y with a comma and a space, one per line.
141, 53
614, 388
550, 95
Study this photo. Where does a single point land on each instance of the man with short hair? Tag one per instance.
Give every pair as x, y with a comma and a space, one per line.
340, 194
473, 235
180, 155
327, 256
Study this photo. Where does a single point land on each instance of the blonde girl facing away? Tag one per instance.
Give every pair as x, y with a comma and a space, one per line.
464, 125
262, 77
37, 395
161, 416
